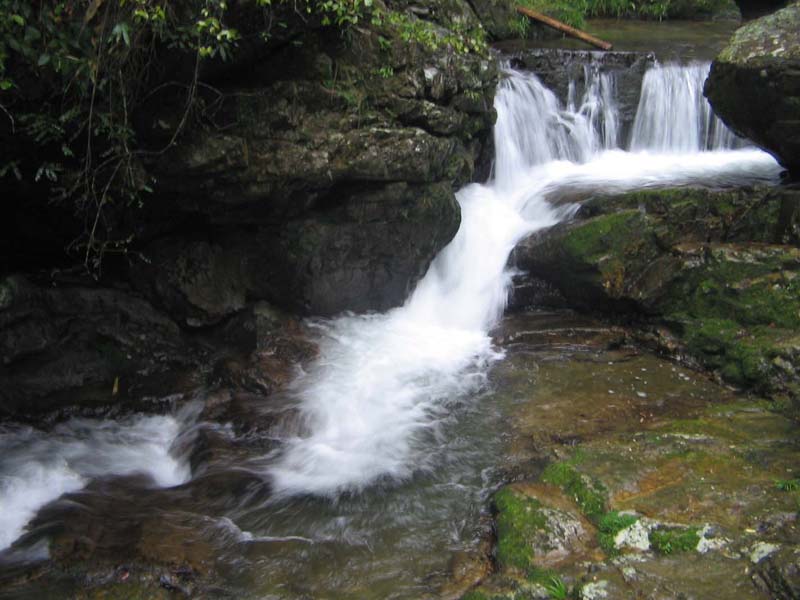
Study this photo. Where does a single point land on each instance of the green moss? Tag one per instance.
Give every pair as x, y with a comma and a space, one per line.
670, 541
589, 495
610, 525
475, 595
749, 289
601, 235
741, 355
518, 518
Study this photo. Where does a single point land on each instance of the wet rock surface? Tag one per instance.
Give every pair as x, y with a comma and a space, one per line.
681, 486
632, 476
72, 349
62, 339
713, 272
754, 84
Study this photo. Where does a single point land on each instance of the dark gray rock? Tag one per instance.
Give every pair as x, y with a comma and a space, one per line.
328, 183
754, 84
58, 339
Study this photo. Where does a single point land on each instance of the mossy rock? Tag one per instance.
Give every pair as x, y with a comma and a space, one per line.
754, 84
720, 268
537, 529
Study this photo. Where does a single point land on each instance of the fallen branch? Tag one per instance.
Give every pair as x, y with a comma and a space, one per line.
563, 27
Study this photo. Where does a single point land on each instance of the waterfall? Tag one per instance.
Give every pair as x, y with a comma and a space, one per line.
373, 404
533, 128
674, 116
598, 105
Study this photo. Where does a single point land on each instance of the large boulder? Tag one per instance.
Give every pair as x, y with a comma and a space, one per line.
327, 182
754, 84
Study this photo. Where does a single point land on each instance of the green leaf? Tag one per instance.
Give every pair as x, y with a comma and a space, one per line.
43, 60
121, 30
18, 20
6, 84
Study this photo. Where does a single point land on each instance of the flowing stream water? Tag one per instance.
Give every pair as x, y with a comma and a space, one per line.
396, 444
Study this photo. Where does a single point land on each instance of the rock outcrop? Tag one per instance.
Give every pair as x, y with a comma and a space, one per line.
754, 84
317, 175
327, 182
59, 339
719, 269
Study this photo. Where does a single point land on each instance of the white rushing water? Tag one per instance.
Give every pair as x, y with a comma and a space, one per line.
37, 467
674, 116
372, 404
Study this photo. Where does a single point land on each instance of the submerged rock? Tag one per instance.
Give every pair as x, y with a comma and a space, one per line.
754, 84
681, 483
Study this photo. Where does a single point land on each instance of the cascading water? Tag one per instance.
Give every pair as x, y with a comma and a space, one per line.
674, 116
371, 404
38, 467
598, 105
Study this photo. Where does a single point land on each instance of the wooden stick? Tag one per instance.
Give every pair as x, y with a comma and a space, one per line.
563, 27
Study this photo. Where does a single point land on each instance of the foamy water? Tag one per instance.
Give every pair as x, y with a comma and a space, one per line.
36, 467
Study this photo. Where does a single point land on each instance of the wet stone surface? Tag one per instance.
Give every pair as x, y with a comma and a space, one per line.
588, 465
688, 489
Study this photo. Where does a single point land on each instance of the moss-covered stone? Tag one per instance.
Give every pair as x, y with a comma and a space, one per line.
673, 540
610, 525
589, 495
715, 266
518, 520
754, 84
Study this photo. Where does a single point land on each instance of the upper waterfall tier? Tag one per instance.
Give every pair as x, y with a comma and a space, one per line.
674, 116
579, 103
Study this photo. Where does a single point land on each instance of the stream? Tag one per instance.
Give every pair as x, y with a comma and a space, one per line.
376, 480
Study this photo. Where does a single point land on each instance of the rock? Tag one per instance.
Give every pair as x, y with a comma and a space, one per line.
496, 16
754, 84
197, 283
761, 550
779, 574
537, 528
712, 266
349, 257
596, 590
330, 159
57, 339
